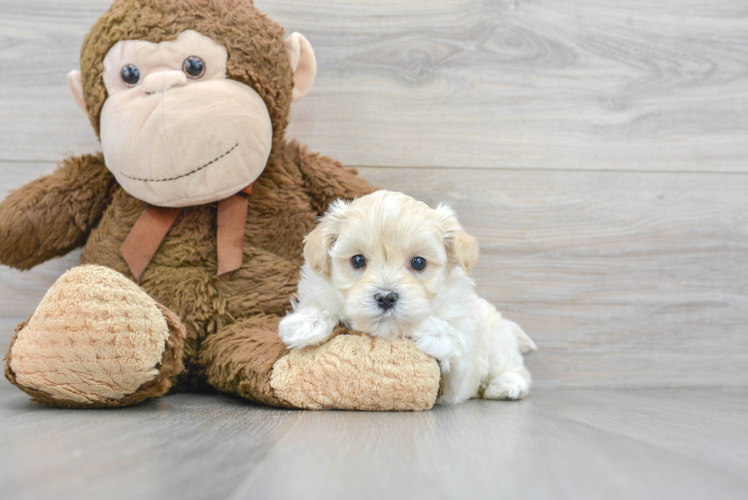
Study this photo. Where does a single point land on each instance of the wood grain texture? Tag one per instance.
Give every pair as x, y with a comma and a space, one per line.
187, 447
618, 85
623, 279
617, 444
554, 445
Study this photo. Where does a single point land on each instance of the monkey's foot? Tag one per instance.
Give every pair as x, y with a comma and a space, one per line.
358, 372
96, 340
348, 372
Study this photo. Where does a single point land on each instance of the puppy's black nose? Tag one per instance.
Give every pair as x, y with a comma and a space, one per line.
386, 301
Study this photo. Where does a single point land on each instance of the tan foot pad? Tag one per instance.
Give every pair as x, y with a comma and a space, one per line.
96, 340
358, 372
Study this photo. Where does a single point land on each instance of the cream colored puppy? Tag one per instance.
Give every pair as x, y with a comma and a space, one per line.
390, 266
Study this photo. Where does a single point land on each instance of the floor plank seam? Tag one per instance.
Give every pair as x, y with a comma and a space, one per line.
472, 168
249, 479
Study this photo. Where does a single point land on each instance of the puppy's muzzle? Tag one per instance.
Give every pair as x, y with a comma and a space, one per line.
386, 301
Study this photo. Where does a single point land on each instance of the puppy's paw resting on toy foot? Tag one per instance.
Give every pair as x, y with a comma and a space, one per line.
348, 372
436, 338
358, 372
96, 340
306, 327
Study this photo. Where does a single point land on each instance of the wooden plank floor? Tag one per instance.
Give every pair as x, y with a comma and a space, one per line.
583, 444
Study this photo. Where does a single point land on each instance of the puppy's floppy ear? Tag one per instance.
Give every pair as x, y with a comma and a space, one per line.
318, 243
462, 249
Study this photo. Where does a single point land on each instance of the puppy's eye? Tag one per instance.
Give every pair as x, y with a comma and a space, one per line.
358, 261
130, 75
193, 67
418, 263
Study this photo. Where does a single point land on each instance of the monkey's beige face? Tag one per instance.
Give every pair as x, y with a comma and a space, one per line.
175, 131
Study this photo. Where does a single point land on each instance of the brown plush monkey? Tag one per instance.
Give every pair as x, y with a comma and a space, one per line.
200, 200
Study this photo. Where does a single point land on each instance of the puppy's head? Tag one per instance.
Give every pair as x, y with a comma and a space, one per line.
389, 256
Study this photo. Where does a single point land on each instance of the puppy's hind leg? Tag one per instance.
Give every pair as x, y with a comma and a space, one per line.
513, 384
507, 378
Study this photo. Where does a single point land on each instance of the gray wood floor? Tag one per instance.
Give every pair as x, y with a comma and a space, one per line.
599, 153
575, 444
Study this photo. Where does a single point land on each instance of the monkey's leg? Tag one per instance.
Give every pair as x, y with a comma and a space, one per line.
350, 371
96, 340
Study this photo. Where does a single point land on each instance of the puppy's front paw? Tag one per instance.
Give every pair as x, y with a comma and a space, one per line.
306, 327
433, 338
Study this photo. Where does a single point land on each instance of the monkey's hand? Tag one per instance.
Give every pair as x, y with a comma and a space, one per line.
54, 214
327, 179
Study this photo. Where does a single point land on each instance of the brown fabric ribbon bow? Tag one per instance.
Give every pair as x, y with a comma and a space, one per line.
154, 223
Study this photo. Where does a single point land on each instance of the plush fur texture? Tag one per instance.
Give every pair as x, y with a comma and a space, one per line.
230, 321
389, 245
310, 378
85, 324
83, 347
55, 214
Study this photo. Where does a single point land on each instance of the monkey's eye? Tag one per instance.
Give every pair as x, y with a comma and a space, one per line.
358, 261
418, 263
130, 75
193, 67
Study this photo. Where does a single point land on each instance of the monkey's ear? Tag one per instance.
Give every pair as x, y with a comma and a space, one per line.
76, 88
303, 64
318, 243
462, 249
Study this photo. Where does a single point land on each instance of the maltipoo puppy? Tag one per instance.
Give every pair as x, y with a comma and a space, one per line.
390, 266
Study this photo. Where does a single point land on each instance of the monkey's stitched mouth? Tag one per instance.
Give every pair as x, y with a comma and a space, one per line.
183, 175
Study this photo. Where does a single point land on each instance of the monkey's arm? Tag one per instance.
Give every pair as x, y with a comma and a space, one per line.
54, 214
328, 180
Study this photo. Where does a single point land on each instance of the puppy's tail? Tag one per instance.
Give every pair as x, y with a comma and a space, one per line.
526, 344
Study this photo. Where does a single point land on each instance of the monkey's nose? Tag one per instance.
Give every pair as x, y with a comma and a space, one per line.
388, 301
163, 81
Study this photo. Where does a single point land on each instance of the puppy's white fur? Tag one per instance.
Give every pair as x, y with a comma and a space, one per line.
478, 350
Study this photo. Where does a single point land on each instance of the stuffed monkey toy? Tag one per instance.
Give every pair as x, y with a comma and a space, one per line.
192, 224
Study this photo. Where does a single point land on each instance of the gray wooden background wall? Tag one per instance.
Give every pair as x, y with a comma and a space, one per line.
598, 150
